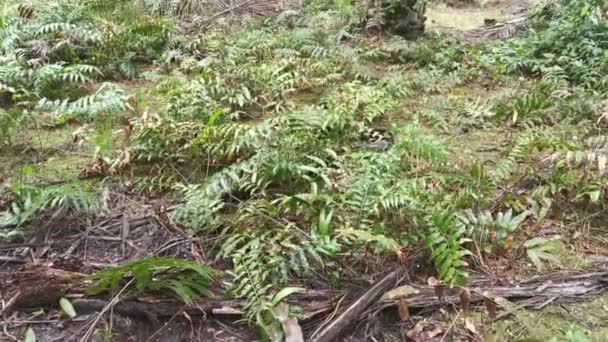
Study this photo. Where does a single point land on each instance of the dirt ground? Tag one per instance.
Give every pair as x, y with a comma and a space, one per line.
463, 16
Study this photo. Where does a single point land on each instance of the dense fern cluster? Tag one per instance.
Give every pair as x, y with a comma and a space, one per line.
298, 173
572, 46
61, 32
303, 176
51, 53
30, 201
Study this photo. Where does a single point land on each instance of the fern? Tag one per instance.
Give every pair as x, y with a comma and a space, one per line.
445, 239
420, 147
564, 51
163, 139
31, 201
10, 122
379, 242
486, 228
174, 7
539, 250
186, 279
226, 142
53, 75
265, 260
107, 100
591, 154
202, 208
522, 149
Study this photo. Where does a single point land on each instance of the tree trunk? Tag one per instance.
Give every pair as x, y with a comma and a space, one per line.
405, 18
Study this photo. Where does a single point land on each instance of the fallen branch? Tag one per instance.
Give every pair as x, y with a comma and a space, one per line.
500, 31
558, 287
40, 287
331, 331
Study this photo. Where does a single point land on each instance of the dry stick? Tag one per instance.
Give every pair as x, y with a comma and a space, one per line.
228, 329
450, 326
332, 331
4, 326
6, 307
219, 14
13, 259
330, 317
47, 321
108, 306
159, 330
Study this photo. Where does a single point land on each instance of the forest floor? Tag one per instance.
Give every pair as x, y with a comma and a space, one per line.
470, 16
138, 227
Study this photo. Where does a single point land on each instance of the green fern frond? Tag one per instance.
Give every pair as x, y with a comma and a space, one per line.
107, 99
31, 201
522, 149
186, 279
446, 236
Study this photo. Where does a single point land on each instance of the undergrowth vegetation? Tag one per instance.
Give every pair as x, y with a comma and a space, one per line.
302, 145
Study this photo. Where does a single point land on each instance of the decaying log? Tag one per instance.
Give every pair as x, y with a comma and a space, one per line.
42, 286
497, 31
558, 287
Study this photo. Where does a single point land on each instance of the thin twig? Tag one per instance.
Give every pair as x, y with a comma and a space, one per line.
219, 14
329, 317
450, 326
110, 304
165, 325
6, 333
48, 321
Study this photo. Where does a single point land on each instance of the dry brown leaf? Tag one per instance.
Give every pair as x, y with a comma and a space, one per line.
506, 304
416, 334
122, 163
422, 332
404, 311
402, 255
508, 244
96, 168
432, 281
128, 132
435, 332
399, 292
438, 287
472, 329
491, 307
132, 103
195, 253
465, 300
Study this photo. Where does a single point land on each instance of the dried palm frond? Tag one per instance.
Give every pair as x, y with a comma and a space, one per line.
260, 8
216, 8
174, 7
